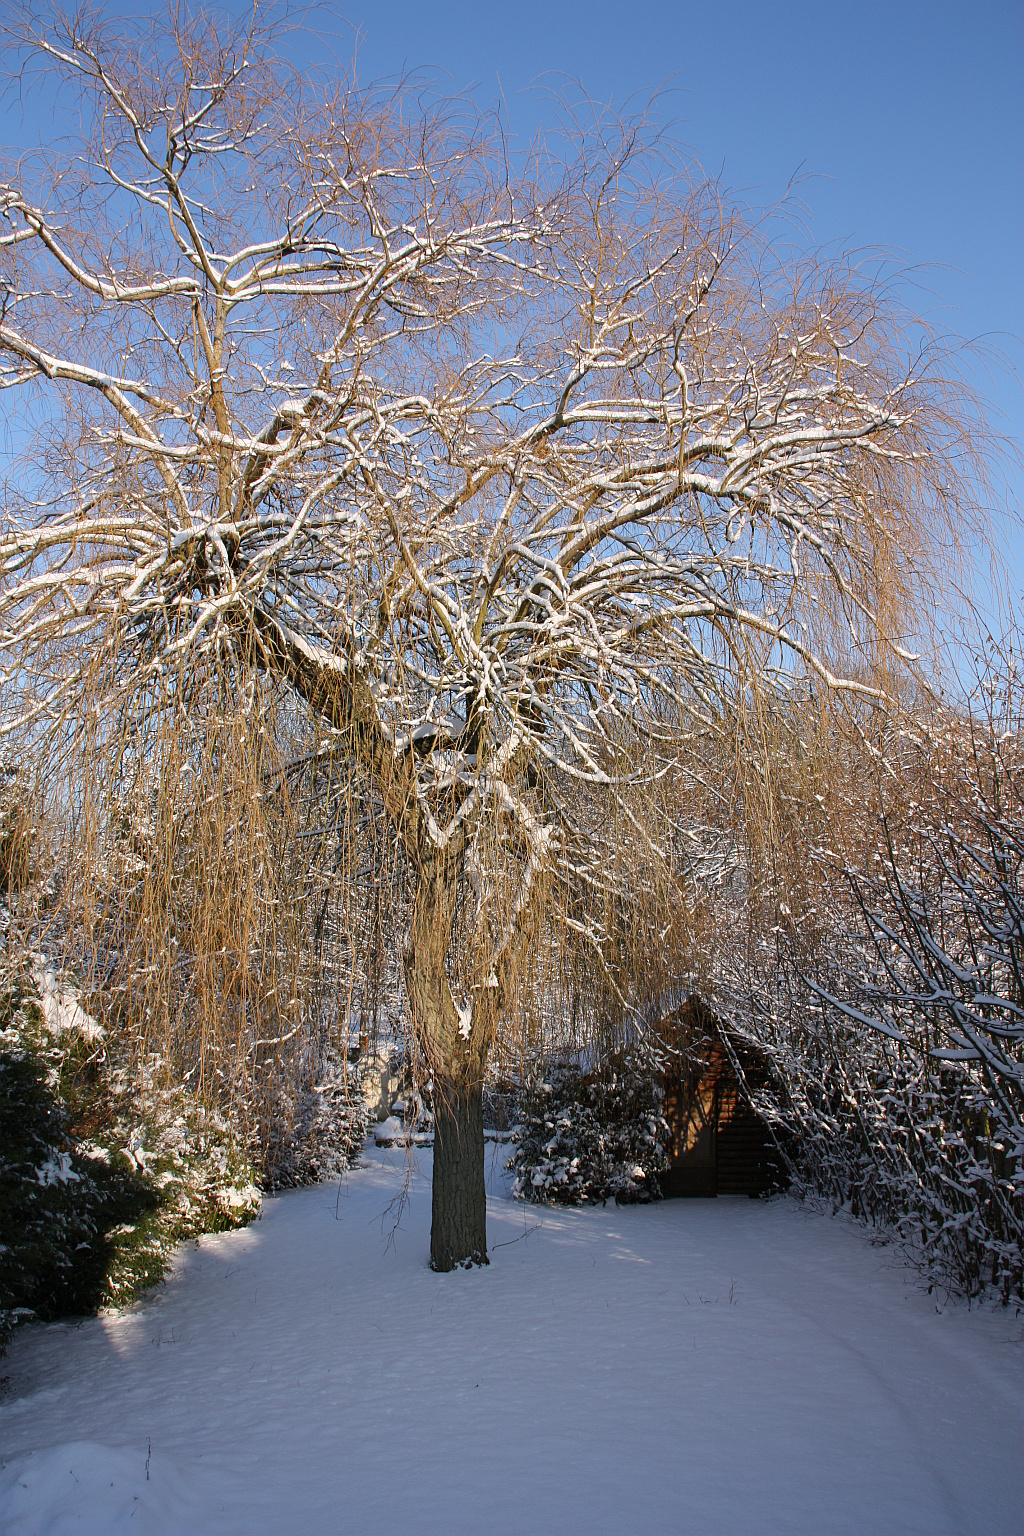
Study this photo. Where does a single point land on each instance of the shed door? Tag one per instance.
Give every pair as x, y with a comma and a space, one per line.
692, 1113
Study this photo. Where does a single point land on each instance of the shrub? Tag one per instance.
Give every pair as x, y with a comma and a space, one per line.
323, 1132
101, 1176
588, 1136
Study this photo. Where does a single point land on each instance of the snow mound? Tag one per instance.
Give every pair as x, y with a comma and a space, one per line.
393, 1132
94, 1490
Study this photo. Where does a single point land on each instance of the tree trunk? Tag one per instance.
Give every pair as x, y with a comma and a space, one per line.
458, 1226
456, 1060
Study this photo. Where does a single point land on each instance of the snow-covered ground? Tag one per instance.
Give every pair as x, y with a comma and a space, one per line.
697, 1366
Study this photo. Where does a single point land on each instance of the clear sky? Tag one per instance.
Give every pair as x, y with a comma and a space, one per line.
906, 120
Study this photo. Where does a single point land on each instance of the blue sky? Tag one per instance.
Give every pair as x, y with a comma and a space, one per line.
906, 121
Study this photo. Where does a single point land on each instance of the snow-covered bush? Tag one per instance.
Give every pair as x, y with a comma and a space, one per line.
102, 1173
323, 1132
591, 1135
887, 993
910, 1144
936, 1148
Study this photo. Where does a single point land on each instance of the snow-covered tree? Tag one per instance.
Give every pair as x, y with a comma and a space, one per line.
504, 471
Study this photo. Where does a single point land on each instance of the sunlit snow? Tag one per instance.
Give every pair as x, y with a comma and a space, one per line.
712, 1367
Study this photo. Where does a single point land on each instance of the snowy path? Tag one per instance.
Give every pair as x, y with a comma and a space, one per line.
715, 1367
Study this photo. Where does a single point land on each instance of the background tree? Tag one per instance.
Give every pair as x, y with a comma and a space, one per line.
504, 476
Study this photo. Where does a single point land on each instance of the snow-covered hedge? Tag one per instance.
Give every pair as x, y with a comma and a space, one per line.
101, 1174
897, 1027
591, 1135
914, 1146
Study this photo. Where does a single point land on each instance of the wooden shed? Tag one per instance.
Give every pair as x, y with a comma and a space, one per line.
719, 1145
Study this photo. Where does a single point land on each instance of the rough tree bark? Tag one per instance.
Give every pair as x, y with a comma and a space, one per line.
458, 1225
455, 1047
